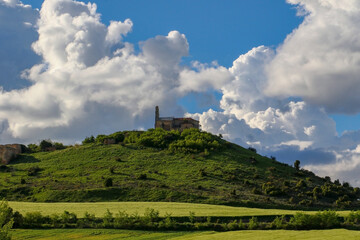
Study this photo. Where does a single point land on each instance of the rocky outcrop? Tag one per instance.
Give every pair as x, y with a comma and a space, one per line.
9, 152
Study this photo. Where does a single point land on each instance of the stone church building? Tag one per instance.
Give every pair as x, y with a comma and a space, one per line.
171, 123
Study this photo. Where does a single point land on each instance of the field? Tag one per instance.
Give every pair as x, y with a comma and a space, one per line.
57, 234
175, 209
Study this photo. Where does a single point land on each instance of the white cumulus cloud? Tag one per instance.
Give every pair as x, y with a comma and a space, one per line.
320, 60
91, 81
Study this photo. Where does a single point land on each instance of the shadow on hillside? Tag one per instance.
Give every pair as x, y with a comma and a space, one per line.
24, 159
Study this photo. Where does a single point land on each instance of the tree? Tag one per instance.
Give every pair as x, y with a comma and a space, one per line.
108, 182
6, 221
297, 165
45, 144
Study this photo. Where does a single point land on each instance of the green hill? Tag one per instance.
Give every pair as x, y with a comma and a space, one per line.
156, 165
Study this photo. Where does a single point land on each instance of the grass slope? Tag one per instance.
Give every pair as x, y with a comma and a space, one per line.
107, 234
229, 175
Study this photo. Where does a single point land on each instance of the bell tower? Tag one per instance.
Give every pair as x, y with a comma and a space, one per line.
157, 114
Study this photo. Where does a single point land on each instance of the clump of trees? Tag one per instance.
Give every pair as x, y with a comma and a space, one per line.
187, 141
45, 145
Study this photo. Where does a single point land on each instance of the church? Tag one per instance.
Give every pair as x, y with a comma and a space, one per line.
171, 123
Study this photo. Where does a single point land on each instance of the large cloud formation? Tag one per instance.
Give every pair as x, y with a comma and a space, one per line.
91, 81
320, 60
81, 77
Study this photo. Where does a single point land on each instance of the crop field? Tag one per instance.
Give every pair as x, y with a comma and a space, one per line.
106, 234
175, 209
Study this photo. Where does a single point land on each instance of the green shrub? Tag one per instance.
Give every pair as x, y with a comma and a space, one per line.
68, 218
118, 137
252, 149
45, 145
297, 165
33, 219
100, 138
142, 176
158, 138
58, 146
320, 220
194, 141
33, 171
151, 215
353, 217
132, 137
88, 140
279, 223
88, 220
33, 148
301, 184
108, 182
191, 217
108, 219
253, 223
343, 201
6, 221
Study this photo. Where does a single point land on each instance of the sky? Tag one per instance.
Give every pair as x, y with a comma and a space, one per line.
280, 76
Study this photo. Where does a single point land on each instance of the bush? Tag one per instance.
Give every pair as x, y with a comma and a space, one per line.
142, 176
158, 138
279, 223
58, 146
253, 223
68, 218
353, 217
343, 201
194, 141
301, 184
252, 149
108, 219
151, 215
108, 182
297, 165
33, 148
45, 145
118, 137
101, 138
33, 171
320, 220
88, 140
33, 219
6, 221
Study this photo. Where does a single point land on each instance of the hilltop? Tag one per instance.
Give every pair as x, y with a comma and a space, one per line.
158, 165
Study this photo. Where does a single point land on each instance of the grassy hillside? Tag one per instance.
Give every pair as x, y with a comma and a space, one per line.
167, 166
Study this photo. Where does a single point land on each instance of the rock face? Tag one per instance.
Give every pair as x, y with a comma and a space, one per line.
9, 152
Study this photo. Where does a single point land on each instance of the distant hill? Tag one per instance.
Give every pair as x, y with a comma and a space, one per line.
157, 165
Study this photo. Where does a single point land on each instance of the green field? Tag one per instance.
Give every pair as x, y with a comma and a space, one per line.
175, 209
106, 234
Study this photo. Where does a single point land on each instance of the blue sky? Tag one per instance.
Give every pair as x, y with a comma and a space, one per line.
281, 76
216, 30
